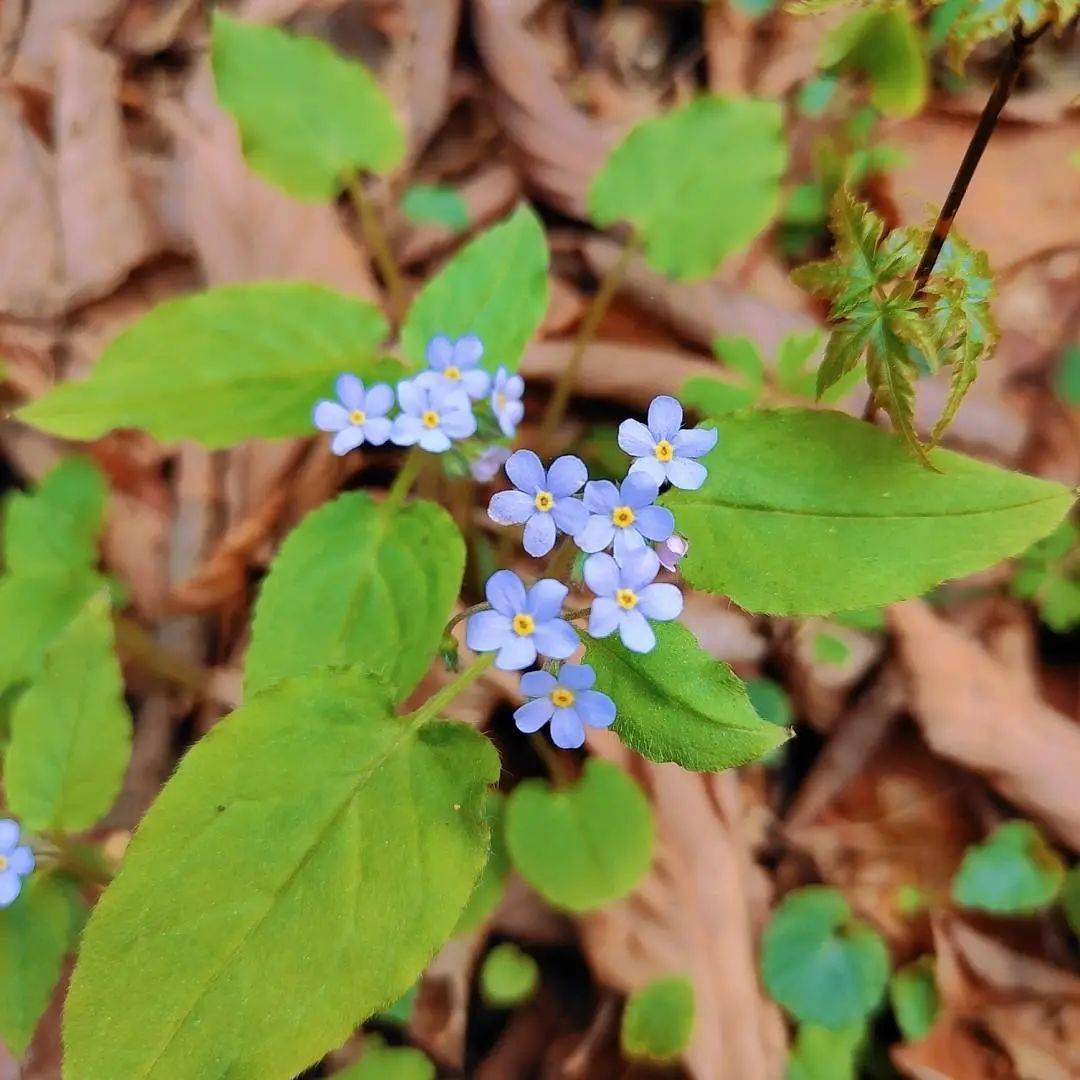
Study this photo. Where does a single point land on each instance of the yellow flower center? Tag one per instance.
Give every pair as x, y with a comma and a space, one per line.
664, 450
626, 599
544, 501
430, 419
500, 400
523, 625
622, 516
562, 698
453, 372
3, 864
357, 417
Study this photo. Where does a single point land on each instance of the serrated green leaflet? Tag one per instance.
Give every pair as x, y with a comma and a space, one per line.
434, 202
822, 1054
820, 963
1012, 872
358, 583
508, 976
233, 363
271, 860
382, 1062
35, 935
678, 704
70, 730
673, 179
913, 995
980, 20
307, 116
492, 882
585, 845
495, 287
807, 513
658, 1019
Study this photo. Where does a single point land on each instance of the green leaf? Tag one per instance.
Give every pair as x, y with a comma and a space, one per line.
355, 583
438, 203
54, 529
980, 20
1048, 573
312, 841
1014, 871
914, 997
820, 1053
36, 933
508, 976
382, 1062
883, 44
70, 730
1067, 379
807, 512
678, 704
492, 884
708, 395
659, 1019
308, 117
770, 701
400, 1011
829, 649
674, 180
232, 363
585, 845
496, 287
820, 963
1070, 899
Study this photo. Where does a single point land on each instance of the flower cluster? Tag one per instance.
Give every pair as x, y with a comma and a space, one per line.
521, 624
437, 408
16, 862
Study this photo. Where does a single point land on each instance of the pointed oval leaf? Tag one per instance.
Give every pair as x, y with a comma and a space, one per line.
809, 513
585, 845
697, 183
354, 583
678, 704
495, 287
492, 882
312, 841
232, 363
308, 117
659, 1019
913, 995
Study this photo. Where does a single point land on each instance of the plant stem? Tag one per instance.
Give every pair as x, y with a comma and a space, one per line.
441, 698
553, 761
405, 479
1018, 50
139, 646
375, 238
564, 387
464, 615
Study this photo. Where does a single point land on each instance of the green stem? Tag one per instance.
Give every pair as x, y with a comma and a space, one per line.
461, 615
405, 479
441, 698
564, 387
375, 238
79, 862
553, 761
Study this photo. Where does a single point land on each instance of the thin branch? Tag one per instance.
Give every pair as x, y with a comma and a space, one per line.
379, 247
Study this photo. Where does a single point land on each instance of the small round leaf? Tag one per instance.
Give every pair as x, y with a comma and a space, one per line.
508, 977
659, 1019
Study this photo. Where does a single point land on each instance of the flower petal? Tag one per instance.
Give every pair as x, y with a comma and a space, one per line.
505, 592
350, 391
406, 429
654, 522
329, 416
458, 423
576, 676
511, 507
379, 401
446, 396
694, 442
434, 440
545, 599
525, 471
487, 630
601, 496
660, 601
570, 515
636, 633
650, 467
537, 683
601, 574
686, 473
567, 730
510, 417
22, 861
638, 490
604, 616
596, 535
467, 350
439, 352
377, 429
476, 383
596, 709
514, 387
533, 715
557, 639
639, 569
9, 835
10, 887
635, 439
566, 475
347, 439
665, 417
539, 536
411, 396
628, 542
518, 653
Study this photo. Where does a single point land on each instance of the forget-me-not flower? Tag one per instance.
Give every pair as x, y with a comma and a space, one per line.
431, 415
544, 501
486, 466
521, 624
624, 515
671, 551
16, 861
454, 364
627, 596
664, 450
358, 416
506, 403
567, 700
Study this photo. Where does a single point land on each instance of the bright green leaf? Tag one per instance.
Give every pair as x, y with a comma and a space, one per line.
829, 649
820, 1053
914, 997
232, 363
1014, 871
659, 1019
70, 730
981, 20
496, 287
585, 845
382, 1062
697, 183
508, 976
308, 117
437, 203
770, 701
708, 395
358, 583
807, 512
820, 963
281, 854
677, 703
492, 883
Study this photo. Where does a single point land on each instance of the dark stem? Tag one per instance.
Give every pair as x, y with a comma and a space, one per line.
1018, 50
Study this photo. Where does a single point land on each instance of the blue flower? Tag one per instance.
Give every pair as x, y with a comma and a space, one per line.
542, 502
431, 415
627, 597
506, 401
521, 624
452, 364
567, 700
486, 466
625, 515
663, 450
361, 416
671, 551
16, 861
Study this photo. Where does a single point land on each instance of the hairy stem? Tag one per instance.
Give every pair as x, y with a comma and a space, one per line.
462, 615
135, 643
375, 238
405, 479
441, 698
